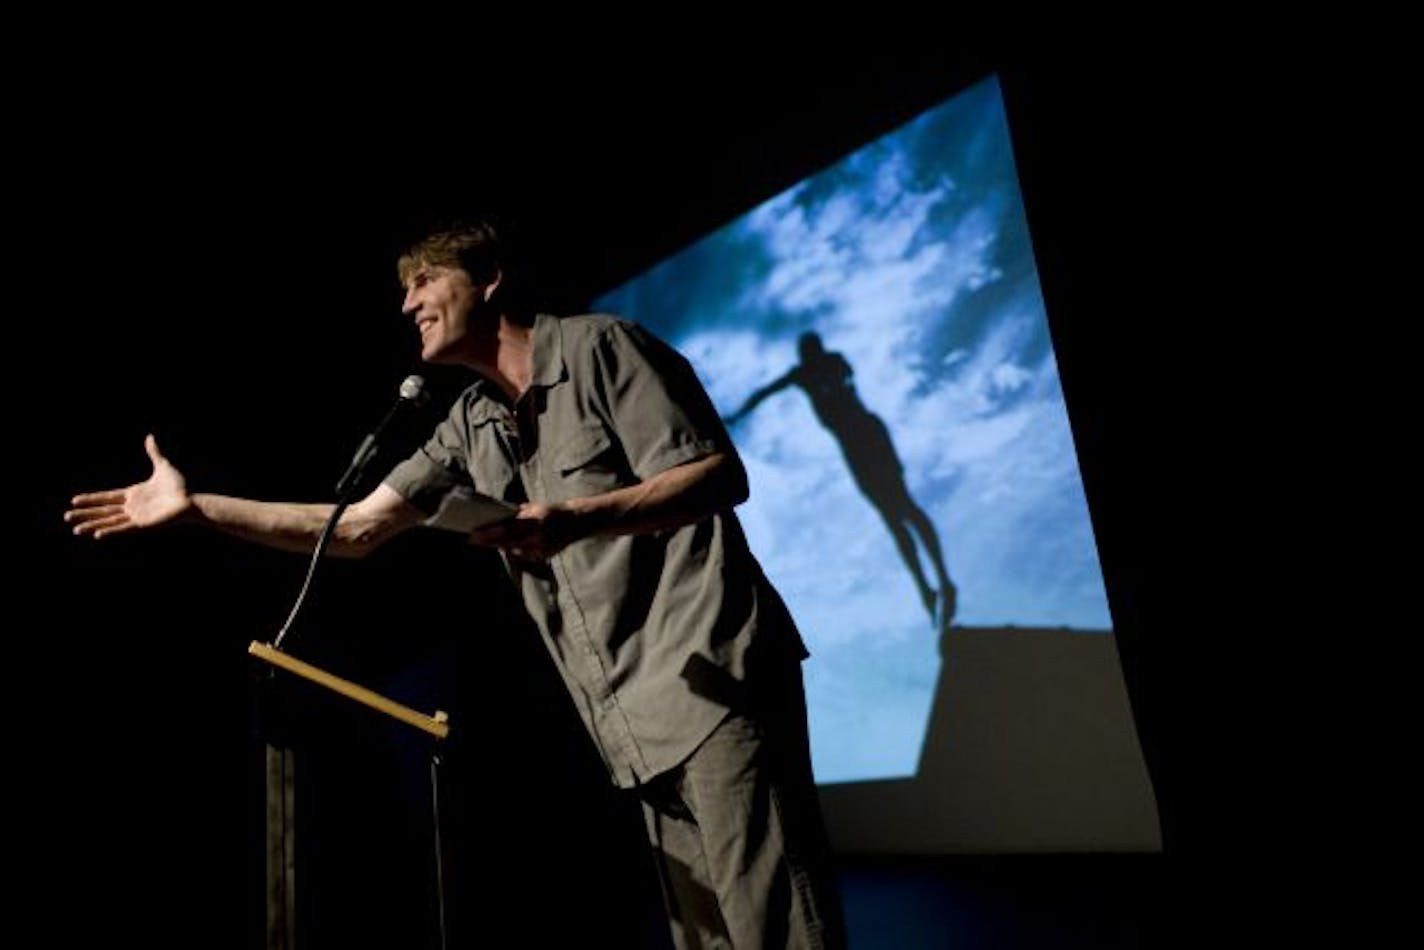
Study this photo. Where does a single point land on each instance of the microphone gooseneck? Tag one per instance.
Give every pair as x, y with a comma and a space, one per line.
412, 395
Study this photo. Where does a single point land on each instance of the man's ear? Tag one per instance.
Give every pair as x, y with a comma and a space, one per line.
492, 284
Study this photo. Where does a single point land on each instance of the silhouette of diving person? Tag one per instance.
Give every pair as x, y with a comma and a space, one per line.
870, 454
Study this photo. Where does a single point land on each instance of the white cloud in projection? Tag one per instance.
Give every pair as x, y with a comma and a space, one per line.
911, 260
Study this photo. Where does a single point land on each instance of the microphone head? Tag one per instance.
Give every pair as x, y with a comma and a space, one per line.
413, 390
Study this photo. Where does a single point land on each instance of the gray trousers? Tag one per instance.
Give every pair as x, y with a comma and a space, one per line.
739, 839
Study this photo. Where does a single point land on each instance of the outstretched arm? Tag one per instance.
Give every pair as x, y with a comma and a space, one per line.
164, 499
755, 398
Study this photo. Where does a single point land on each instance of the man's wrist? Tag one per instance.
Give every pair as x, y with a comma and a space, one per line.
584, 517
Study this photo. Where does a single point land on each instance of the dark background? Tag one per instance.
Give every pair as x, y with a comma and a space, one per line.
207, 245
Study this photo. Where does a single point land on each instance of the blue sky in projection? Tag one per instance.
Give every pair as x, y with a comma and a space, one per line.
911, 259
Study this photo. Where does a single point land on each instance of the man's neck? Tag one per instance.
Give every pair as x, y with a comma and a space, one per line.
508, 358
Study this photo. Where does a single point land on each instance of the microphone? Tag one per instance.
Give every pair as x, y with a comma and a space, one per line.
412, 394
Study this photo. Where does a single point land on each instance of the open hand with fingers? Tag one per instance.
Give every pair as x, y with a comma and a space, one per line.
162, 498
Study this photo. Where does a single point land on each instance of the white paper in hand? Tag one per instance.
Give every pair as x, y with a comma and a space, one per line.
464, 510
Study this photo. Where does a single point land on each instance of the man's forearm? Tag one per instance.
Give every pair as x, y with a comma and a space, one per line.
288, 526
670, 499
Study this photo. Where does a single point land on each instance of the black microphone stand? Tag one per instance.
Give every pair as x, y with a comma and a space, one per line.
412, 392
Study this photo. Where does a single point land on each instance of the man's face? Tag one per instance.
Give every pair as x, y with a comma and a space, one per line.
443, 301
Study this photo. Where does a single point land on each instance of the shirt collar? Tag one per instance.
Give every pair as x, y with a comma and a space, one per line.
548, 358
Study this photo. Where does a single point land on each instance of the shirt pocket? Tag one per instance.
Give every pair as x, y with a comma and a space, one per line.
587, 463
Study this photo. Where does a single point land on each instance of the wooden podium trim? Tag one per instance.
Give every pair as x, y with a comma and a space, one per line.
437, 725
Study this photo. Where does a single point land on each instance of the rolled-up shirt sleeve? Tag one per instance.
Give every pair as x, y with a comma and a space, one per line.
659, 409
436, 467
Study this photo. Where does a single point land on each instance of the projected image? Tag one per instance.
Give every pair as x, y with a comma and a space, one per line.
875, 338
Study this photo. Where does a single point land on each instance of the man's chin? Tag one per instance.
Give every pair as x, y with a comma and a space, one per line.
434, 355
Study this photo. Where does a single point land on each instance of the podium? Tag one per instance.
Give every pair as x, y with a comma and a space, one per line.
280, 793
460, 512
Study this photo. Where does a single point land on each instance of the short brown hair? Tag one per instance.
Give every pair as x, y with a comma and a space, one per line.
475, 247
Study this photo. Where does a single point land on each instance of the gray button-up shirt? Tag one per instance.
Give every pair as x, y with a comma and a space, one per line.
655, 635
